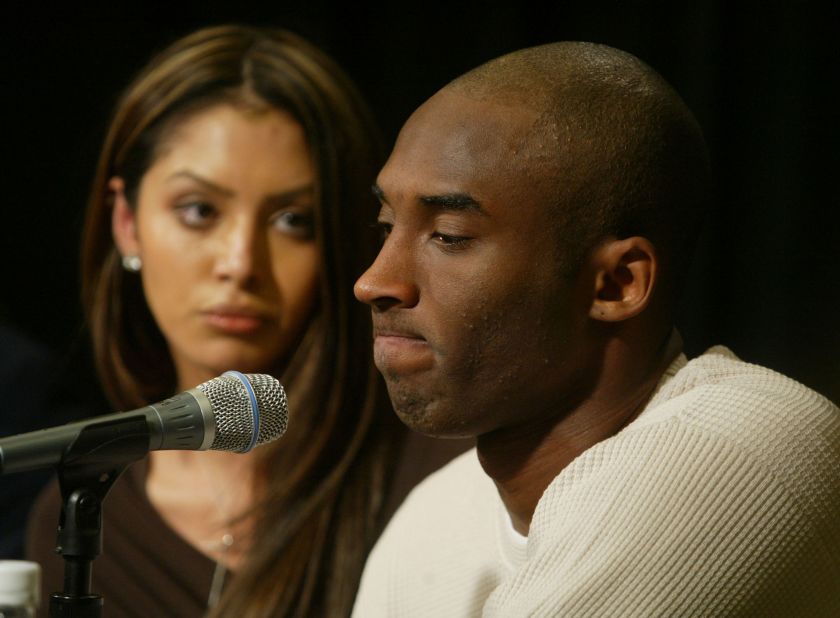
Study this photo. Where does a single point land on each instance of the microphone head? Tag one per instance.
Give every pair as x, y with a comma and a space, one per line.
248, 410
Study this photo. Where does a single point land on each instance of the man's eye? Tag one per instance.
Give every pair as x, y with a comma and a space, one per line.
196, 214
295, 223
383, 229
449, 241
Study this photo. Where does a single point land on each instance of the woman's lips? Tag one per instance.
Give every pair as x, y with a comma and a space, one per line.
235, 321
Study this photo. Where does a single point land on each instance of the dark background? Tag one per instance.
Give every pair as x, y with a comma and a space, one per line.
761, 81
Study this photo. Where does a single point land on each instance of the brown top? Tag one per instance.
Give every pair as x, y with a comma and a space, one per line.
145, 568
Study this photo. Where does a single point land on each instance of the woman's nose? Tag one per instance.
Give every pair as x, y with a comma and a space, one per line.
389, 282
239, 255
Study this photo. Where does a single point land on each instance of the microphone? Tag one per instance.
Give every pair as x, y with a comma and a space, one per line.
233, 412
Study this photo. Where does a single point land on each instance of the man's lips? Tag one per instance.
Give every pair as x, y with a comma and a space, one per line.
397, 351
393, 332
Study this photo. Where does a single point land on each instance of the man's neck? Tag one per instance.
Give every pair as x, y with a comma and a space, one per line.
524, 460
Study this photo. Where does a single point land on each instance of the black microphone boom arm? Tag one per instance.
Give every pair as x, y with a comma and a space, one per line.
182, 422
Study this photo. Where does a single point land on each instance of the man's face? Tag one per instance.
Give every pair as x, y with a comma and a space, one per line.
476, 326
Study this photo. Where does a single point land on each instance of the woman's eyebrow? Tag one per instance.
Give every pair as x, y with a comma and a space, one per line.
285, 198
207, 184
281, 198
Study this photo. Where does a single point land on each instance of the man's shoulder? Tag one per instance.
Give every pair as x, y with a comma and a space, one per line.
712, 419
721, 366
722, 393
728, 478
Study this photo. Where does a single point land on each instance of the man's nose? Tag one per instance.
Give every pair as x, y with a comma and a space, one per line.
389, 282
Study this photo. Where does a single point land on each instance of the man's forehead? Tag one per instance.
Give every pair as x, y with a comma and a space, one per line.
456, 139
454, 117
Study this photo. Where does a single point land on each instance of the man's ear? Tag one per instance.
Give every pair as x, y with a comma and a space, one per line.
625, 274
123, 220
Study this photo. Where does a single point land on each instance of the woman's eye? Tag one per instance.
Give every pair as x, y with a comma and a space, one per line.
295, 223
196, 214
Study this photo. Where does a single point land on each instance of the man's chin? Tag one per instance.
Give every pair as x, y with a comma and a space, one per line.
430, 420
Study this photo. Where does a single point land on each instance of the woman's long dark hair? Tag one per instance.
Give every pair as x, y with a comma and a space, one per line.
321, 489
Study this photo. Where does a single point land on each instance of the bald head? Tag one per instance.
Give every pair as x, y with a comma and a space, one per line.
614, 148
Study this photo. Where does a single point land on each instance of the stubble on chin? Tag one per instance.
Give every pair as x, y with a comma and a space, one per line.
411, 405
424, 412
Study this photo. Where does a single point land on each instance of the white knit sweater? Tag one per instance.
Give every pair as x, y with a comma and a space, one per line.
721, 499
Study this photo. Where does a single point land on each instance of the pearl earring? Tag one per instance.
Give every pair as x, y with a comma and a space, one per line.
132, 263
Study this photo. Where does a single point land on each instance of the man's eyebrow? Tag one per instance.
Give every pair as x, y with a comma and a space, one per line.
379, 193
446, 201
454, 201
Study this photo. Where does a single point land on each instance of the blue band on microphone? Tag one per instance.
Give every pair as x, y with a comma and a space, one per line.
255, 410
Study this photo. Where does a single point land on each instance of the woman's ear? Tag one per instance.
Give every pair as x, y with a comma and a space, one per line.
625, 275
123, 220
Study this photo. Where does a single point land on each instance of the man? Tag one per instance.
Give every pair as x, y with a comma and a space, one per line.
538, 215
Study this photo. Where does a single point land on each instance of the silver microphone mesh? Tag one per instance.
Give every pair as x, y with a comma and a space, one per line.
231, 407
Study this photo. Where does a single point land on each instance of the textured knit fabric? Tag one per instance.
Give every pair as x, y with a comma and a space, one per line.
721, 499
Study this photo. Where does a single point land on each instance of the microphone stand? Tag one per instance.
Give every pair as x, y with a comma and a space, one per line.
86, 473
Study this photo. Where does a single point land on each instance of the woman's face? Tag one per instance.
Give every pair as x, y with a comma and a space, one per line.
224, 226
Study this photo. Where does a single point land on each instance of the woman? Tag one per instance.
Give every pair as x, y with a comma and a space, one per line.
229, 218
